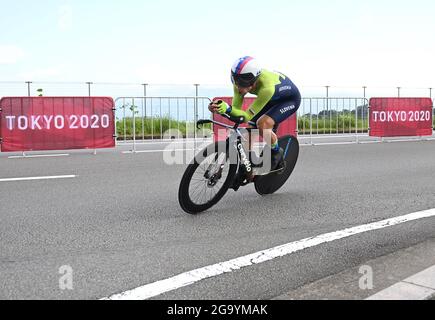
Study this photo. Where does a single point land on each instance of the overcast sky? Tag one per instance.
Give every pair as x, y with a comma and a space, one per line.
315, 42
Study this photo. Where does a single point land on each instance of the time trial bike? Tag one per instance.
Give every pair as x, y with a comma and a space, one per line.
225, 165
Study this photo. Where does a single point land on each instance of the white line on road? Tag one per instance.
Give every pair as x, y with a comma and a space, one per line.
406, 140
156, 151
334, 143
191, 277
39, 156
180, 141
37, 178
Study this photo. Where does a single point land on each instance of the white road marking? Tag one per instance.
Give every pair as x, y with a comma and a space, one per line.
156, 151
37, 178
39, 156
334, 143
191, 277
333, 136
405, 140
179, 141
369, 142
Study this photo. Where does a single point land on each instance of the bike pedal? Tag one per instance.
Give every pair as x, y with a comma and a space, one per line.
260, 174
236, 184
278, 170
235, 188
246, 182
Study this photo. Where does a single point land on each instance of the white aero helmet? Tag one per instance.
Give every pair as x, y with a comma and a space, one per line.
245, 72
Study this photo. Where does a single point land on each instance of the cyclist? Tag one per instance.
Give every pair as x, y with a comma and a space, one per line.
277, 99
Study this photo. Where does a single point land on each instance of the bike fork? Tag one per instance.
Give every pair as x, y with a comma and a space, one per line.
244, 175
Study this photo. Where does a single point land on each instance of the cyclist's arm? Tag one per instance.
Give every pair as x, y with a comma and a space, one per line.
264, 96
237, 99
236, 108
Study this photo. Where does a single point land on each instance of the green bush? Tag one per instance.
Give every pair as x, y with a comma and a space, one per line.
342, 123
154, 127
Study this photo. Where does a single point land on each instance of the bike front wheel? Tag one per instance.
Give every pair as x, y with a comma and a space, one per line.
207, 179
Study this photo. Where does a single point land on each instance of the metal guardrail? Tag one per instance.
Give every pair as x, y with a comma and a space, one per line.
333, 116
145, 119
166, 118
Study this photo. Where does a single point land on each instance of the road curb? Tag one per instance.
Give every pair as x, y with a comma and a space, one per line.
420, 286
406, 274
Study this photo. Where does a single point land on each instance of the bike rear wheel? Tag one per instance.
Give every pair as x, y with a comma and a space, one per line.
207, 179
274, 181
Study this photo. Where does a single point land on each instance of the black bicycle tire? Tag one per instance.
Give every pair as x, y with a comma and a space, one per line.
292, 159
183, 193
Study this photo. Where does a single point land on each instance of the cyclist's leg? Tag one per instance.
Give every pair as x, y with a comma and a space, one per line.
287, 101
254, 135
269, 122
266, 124
281, 112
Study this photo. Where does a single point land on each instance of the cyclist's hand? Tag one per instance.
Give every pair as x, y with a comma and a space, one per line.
213, 107
220, 107
223, 107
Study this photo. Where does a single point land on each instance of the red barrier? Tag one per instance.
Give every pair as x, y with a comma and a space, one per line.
395, 117
56, 123
285, 128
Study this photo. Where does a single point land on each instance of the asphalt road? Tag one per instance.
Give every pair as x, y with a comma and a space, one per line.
118, 224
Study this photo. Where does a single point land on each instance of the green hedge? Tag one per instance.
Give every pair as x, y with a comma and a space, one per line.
153, 128
342, 123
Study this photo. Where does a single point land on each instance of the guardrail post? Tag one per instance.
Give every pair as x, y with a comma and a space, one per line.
356, 120
145, 85
89, 87
161, 119
152, 120
365, 100
116, 122
124, 106
89, 95
195, 121
134, 125
311, 121
327, 110
144, 109
28, 87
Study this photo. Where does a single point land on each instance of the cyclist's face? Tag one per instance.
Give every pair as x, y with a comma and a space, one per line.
244, 91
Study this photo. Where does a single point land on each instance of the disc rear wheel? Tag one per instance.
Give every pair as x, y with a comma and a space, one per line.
271, 183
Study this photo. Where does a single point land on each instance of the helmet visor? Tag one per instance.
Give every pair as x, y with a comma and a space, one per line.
243, 80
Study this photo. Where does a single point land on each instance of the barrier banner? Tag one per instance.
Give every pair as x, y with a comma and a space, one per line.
400, 117
287, 127
56, 123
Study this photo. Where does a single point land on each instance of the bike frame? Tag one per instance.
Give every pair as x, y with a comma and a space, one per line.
236, 137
